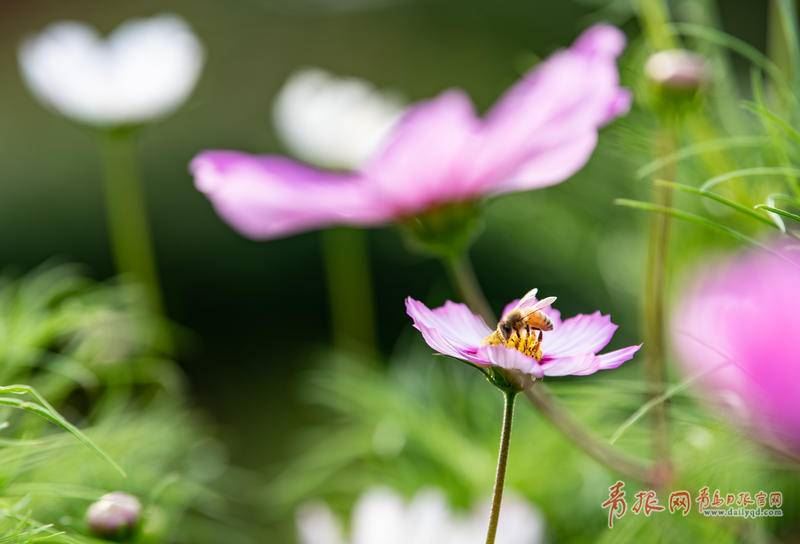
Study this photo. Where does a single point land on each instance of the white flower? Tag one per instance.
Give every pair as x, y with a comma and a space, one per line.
382, 517
333, 122
144, 70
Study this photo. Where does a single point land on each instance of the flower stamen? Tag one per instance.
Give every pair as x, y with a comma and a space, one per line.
523, 339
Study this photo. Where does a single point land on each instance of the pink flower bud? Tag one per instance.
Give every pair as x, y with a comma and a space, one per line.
677, 69
114, 514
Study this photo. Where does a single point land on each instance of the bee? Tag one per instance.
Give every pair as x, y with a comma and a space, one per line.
521, 327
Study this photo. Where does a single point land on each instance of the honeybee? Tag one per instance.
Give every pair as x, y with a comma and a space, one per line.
521, 327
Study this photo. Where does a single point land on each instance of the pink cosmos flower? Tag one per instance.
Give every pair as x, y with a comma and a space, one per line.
570, 348
739, 327
538, 134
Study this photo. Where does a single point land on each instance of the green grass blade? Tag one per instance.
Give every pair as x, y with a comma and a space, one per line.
749, 173
735, 44
720, 144
655, 401
788, 20
718, 198
779, 211
45, 410
698, 220
763, 111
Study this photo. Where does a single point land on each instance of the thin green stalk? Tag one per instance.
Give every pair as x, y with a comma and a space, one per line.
350, 290
654, 17
502, 463
654, 305
463, 277
127, 217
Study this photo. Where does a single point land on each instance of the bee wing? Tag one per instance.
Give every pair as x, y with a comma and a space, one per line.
527, 310
529, 297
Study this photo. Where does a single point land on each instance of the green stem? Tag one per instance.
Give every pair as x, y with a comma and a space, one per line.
654, 17
654, 306
349, 290
463, 277
502, 463
127, 218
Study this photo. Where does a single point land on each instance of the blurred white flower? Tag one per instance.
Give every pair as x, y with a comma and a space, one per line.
144, 70
333, 122
382, 517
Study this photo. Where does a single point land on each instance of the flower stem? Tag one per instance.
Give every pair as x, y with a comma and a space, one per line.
127, 218
502, 462
349, 290
463, 277
654, 306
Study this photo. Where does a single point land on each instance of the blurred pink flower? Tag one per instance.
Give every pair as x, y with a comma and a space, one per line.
538, 134
570, 348
739, 327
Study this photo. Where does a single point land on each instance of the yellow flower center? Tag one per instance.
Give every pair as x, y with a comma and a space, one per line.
524, 340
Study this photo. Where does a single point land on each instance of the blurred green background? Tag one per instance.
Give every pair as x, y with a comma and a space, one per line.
247, 307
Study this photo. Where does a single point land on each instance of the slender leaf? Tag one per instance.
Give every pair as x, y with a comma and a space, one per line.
733, 43
701, 148
779, 211
774, 118
718, 198
698, 220
665, 396
45, 410
750, 172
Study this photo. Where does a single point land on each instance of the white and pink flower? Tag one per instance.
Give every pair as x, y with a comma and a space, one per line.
571, 348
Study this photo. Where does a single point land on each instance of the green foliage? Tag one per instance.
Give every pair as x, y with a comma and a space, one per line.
94, 351
429, 422
422, 422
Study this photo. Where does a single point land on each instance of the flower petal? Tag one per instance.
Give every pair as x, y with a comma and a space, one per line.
145, 69
331, 121
578, 365
422, 162
267, 197
316, 524
613, 359
554, 111
584, 333
378, 514
587, 363
451, 329
510, 359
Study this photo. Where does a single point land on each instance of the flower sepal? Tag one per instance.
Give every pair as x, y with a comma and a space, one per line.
509, 380
445, 231
676, 82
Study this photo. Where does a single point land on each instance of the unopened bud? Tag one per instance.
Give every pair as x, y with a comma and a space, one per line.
678, 70
114, 515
